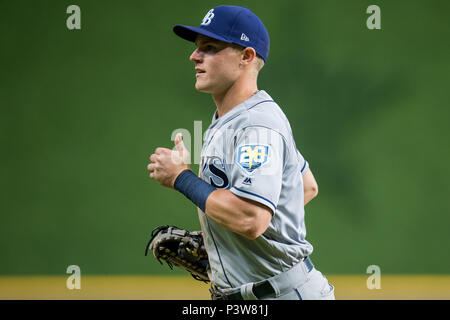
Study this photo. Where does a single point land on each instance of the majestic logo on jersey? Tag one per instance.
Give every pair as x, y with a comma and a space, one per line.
252, 156
208, 17
214, 173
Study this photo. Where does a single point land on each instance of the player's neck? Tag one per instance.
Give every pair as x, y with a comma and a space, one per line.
234, 96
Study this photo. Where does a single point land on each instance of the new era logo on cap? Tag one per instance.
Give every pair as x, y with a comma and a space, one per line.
244, 37
231, 24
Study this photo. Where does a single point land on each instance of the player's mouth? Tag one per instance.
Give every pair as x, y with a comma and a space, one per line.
199, 72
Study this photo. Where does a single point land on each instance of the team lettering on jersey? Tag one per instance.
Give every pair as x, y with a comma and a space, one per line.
214, 172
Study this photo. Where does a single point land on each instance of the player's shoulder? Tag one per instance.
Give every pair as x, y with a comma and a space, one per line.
265, 112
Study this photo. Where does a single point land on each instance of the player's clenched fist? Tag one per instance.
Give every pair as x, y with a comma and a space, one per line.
167, 164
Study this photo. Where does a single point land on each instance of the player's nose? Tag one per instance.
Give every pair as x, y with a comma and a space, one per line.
196, 56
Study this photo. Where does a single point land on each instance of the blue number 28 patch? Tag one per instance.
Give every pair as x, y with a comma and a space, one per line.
252, 156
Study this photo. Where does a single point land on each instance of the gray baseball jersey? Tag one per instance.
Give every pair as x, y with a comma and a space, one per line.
251, 151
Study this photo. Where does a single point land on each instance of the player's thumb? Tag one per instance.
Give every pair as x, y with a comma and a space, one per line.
179, 144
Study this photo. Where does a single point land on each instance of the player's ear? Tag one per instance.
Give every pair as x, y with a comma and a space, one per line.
248, 55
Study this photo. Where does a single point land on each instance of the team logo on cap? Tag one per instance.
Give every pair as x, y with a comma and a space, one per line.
252, 156
208, 17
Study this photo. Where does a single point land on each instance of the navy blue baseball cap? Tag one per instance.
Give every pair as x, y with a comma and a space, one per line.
230, 24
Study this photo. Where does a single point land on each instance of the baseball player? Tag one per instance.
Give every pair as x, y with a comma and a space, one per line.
253, 182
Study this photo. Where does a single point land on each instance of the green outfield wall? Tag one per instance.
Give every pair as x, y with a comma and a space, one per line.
82, 110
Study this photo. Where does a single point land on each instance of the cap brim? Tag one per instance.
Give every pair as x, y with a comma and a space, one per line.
190, 33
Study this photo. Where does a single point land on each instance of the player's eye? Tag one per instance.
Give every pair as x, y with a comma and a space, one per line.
209, 48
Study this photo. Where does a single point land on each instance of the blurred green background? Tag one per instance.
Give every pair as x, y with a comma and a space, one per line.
82, 110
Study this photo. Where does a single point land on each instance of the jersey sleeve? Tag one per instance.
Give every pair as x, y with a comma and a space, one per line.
303, 163
257, 167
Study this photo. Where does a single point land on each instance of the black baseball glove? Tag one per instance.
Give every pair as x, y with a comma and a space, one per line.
181, 248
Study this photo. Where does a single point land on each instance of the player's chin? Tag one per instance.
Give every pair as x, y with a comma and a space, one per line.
202, 87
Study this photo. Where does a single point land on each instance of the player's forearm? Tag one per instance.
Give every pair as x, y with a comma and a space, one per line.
245, 217
236, 214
